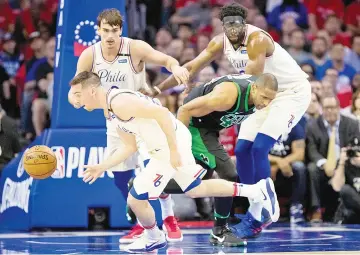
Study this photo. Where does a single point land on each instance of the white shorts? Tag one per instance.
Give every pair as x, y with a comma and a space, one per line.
135, 161
151, 182
281, 115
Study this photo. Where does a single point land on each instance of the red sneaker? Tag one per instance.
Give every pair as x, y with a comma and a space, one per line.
172, 230
136, 232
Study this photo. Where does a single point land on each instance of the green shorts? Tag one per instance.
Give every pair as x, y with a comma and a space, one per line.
206, 147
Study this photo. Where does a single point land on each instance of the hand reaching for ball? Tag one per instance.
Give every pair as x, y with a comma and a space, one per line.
92, 173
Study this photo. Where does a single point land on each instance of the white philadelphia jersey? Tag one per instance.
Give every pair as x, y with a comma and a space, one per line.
148, 130
120, 72
280, 63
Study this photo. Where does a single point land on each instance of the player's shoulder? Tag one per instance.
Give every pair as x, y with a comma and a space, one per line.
259, 36
88, 53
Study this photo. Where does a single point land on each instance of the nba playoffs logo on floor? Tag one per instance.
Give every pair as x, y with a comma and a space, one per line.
74, 158
85, 36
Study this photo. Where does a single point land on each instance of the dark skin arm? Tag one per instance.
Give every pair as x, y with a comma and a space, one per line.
214, 48
222, 98
259, 47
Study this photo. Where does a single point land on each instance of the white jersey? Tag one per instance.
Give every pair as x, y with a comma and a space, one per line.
118, 73
148, 130
280, 63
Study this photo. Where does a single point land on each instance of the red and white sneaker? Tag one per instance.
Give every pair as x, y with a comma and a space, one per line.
136, 232
172, 230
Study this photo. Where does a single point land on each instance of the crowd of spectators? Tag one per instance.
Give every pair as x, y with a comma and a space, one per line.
323, 36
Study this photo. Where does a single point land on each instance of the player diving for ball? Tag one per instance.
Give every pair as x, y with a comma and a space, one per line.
211, 107
252, 51
120, 61
168, 143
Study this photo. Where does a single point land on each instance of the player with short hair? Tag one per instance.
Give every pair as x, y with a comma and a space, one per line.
221, 103
120, 61
168, 142
252, 51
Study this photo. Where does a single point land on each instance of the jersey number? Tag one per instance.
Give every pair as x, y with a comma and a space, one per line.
232, 119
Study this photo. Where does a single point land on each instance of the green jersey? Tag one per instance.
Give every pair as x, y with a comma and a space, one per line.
234, 116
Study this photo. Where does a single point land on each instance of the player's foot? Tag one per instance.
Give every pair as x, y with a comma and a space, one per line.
265, 218
224, 236
172, 230
135, 233
296, 214
146, 244
249, 227
269, 199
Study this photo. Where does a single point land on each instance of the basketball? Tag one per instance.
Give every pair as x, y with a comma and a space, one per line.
39, 162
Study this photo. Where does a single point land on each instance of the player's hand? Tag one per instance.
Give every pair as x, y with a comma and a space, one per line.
92, 173
285, 168
175, 159
181, 74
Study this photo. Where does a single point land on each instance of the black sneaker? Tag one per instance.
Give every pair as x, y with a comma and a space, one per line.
224, 236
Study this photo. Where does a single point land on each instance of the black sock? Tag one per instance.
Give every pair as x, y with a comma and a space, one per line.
222, 210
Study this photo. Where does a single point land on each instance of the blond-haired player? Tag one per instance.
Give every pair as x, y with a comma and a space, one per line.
120, 61
168, 142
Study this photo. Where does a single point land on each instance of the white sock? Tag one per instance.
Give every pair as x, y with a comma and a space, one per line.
245, 190
166, 206
255, 209
152, 232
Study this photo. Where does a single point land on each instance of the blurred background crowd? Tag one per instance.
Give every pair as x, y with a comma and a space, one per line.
320, 182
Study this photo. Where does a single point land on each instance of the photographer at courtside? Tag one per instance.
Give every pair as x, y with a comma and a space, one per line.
346, 181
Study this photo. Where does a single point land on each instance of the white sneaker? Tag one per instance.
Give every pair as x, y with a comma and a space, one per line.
146, 244
269, 199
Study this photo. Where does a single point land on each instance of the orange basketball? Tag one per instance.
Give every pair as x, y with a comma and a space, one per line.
39, 162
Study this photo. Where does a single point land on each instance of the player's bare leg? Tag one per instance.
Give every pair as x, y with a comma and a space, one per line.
153, 237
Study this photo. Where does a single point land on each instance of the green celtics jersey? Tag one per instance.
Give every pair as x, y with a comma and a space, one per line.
238, 113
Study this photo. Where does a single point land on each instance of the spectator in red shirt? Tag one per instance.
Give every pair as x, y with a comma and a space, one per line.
7, 17
333, 27
320, 9
352, 17
228, 138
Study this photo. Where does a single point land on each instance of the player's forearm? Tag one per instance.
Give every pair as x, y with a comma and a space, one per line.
117, 157
171, 82
165, 122
170, 63
254, 68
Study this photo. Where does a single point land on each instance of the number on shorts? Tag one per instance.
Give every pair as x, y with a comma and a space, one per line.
157, 181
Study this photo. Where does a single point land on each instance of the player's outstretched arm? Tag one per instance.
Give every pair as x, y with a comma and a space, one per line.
214, 48
222, 98
116, 157
148, 54
257, 46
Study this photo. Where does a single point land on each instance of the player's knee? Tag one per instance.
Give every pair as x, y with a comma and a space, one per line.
262, 145
242, 146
